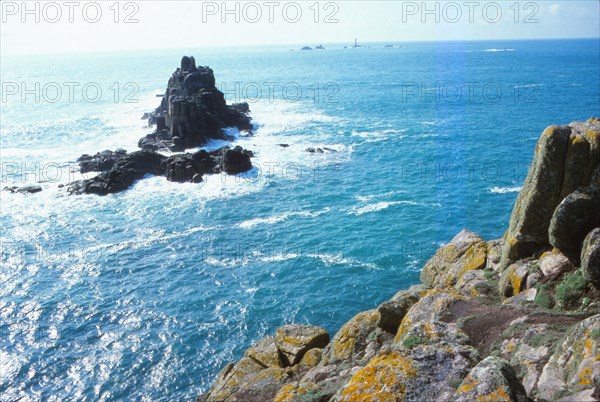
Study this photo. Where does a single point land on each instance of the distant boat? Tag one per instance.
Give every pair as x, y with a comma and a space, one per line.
320, 47
389, 46
356, 44
307, 48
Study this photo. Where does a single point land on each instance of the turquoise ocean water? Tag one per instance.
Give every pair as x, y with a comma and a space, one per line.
147, 294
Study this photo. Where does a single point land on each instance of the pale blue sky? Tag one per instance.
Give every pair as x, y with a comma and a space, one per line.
185, 24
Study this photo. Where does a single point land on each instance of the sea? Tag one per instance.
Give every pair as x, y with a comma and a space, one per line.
147, 294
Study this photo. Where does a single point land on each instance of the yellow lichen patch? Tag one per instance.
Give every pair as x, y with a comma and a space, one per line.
404, 327
286, 393
290, 391
516, 281
585, 377
499, 395
312, 357
588, 348
467, 385
344, 342
382, 379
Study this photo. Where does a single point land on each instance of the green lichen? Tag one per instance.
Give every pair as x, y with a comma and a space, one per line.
570, 289
544, 297
412, 341
595, 333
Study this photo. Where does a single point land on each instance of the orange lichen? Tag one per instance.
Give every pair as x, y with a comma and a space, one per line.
499, 395
383, 378
467, 385
585, 377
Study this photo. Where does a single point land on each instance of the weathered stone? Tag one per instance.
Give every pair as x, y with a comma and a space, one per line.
350, 342
575, 217
590, 130
465, 252
393, 311
265, 353
553, 263
262, 387
428, 332
513, 279
575, 365
528, 348
494, 254
524, 297
232, 378
576, 163
430, 307
293, 341
492, 379
384, 378
312, 357
531, 215
590, 256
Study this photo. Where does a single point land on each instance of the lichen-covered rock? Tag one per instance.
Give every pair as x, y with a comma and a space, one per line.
522, 299
232, 378
475, 283
262, 387
590, 130
465, 252
265, 353
575, 217
531, 215
575, 365
384, 378
393, 311
429, 308
576, 163
428, 332
494, 254
513, 279
493, 379
529, 352
590, 256
293, 341
351, 342
305, 392
312, 357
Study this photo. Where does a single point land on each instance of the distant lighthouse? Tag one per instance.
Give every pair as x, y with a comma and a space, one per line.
356, 44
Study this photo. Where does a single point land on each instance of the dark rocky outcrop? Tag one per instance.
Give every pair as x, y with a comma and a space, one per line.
193, 111
590, 257
522, 327
23, 190
559, 188
124, 172
181, 168
100, 162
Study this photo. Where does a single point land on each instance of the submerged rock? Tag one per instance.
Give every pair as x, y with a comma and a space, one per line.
24, 189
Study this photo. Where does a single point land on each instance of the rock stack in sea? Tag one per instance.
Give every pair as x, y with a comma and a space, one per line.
192, 112
513, 319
